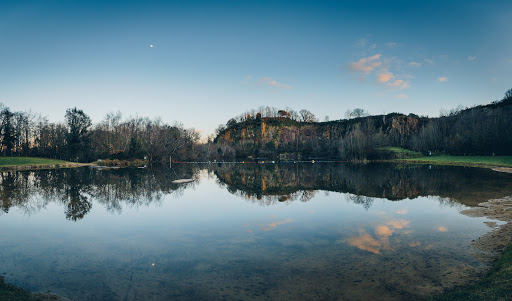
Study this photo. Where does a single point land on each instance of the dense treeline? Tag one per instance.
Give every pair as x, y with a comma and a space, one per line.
480, 130
272, 133
264, 133
27, 134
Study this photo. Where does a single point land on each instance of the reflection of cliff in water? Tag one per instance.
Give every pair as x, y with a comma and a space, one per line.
267, 184
75, 188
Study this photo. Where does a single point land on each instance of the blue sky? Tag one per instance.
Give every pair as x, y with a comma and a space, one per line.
212, 60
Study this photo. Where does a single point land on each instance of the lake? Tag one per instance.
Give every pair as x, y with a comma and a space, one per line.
244, 231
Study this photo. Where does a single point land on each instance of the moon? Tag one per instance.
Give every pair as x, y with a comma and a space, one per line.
151, 45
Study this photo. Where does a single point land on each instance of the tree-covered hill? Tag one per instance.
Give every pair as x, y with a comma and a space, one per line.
286, 134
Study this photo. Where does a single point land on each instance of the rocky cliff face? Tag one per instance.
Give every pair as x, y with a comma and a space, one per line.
271, 137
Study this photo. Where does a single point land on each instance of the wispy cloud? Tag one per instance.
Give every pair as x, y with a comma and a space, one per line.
400, 84
273, 83
366, 65
379, 66
246, 80
361, 42
402, 97
394, 44
415, 64
442, 79
429, 61
384, 77
471, 58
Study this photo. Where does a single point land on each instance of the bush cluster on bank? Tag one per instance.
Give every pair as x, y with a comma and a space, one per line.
122, 163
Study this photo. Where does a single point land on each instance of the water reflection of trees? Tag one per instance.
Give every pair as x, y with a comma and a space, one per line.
268, 184
75, 189
265, 184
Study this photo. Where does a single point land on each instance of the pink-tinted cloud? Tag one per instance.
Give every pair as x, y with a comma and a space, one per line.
273, 83
366, 65
399, 83
442, 79
385, 77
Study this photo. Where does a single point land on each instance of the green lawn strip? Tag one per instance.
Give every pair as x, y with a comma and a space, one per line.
464, 160
21, 161
497, 284
398, 152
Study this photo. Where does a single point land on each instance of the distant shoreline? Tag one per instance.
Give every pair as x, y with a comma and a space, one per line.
496, 163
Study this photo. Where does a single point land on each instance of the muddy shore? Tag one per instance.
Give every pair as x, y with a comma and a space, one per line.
494, 242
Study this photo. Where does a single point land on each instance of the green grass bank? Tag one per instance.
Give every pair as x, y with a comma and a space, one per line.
29, 163
477, 161
404, 155
20, 161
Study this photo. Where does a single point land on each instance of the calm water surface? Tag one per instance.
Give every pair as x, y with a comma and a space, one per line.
288, 231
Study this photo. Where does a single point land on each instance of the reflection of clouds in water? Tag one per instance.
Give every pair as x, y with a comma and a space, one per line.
365, 242
271, 226
383, 232
403, 211
429, 246
442, 229
399, 224
268, 226
415, 244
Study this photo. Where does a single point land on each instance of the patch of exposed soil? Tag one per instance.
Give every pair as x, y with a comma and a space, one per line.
493, 243
503, 169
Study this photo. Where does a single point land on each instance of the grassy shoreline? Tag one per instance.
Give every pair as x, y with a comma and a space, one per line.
472, 161
31, 163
